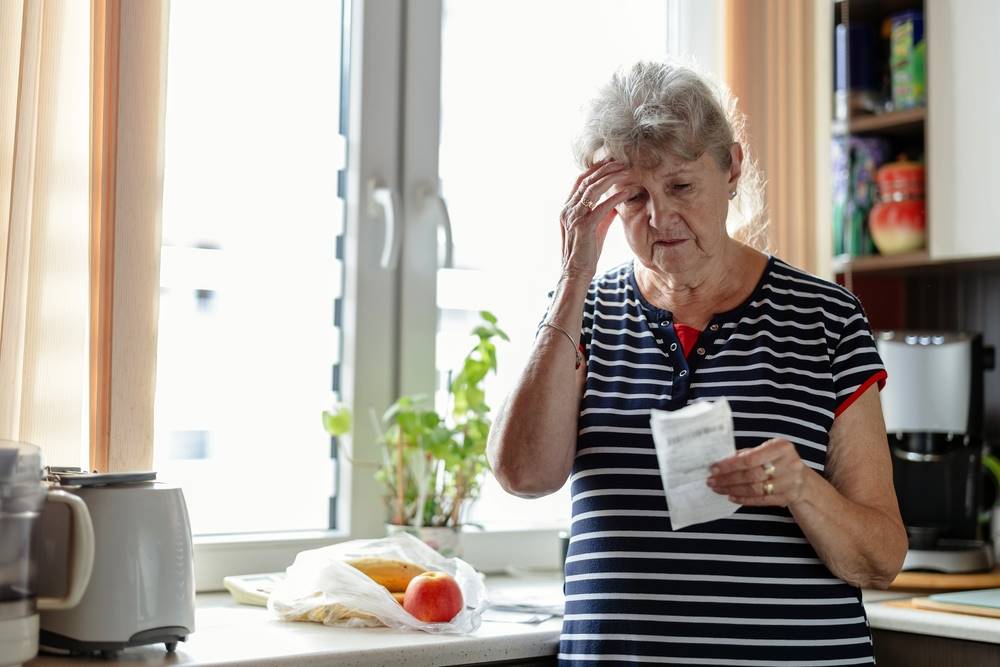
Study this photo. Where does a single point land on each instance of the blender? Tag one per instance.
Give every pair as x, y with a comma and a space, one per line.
22, 498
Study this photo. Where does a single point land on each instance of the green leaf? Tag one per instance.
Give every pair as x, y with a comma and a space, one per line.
337, 422
483, 332
405, 403
474, 372
488, 316
408, 421
430, 419
461, 403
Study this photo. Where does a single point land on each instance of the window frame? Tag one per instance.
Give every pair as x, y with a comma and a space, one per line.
389, 315
373, 33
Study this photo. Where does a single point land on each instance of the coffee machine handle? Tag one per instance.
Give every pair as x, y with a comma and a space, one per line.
81, 559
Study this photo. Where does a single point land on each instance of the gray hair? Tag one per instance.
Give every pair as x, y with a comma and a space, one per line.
653, 108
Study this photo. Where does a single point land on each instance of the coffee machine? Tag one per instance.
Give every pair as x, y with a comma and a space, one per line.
933, 408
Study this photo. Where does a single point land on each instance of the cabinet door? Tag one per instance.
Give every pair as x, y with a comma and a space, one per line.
963, 141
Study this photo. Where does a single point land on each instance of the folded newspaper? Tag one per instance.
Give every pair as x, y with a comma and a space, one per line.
688, 441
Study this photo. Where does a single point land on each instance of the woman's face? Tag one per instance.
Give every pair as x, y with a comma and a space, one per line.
677, 220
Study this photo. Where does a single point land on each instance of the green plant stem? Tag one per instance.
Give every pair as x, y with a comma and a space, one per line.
400, 498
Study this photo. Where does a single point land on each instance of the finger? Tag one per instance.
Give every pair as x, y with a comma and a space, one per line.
610, 205
600, 184
588, 172
756, 489
605, 211
595, 200
768, 452
591, 187
738, 477
741, 490
772, 500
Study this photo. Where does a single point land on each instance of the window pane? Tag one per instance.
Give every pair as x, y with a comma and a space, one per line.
510, 108
249, 278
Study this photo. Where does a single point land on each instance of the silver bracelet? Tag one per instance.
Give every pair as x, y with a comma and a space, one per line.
576, 349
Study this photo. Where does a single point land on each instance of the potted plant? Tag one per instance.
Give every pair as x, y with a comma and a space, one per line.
433, 464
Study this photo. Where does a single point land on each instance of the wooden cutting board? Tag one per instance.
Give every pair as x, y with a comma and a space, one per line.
935, 581
928, 604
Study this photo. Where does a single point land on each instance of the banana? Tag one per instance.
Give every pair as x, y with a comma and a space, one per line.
399, 597
338, 614
393, 574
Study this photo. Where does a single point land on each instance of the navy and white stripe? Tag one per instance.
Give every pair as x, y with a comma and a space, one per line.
745, 590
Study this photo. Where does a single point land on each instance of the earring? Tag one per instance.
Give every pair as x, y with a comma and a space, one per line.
732, 194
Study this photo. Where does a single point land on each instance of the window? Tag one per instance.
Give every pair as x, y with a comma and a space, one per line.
279, 293
248, 341
510, 91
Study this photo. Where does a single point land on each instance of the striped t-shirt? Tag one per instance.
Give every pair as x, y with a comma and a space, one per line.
745, 590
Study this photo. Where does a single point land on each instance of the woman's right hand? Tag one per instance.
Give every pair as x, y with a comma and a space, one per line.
585, 222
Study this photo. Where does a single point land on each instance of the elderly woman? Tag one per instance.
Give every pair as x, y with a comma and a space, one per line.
698, 315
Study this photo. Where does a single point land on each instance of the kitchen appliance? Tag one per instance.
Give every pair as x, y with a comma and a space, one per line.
933, 408
142, 587
22, 498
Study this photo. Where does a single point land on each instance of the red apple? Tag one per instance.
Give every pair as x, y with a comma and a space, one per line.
433, 597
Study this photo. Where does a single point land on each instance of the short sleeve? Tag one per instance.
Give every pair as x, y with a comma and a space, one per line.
856, 361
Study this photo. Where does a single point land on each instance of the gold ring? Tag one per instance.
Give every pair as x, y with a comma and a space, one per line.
768, 488
769, 469
589, 204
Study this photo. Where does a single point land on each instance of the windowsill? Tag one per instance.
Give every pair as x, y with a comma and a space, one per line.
490, 550
244, 540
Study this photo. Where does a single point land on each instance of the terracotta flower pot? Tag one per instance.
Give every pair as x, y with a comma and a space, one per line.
897, 222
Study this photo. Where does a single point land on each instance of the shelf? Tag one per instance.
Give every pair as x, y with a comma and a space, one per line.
908, 121
864, 264
905, 263
866, 11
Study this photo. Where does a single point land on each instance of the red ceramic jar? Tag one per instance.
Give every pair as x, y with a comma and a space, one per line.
897, 221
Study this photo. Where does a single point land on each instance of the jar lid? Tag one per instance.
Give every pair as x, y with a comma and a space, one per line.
77, 477
903, 176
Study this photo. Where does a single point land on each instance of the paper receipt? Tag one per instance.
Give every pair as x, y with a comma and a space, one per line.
688, 441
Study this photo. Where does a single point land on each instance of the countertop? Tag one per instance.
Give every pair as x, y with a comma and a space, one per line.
232, 634
227, 633
926, 622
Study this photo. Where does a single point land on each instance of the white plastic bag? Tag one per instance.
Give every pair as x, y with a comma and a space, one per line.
320, 586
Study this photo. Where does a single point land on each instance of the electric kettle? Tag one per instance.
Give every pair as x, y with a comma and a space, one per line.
23, 496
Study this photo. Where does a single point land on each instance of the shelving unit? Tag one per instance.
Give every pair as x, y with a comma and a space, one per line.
903, 130
954, 284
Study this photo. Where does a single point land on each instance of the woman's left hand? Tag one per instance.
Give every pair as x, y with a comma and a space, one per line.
769, 474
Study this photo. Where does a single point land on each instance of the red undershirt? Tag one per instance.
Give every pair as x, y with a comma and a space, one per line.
688, 336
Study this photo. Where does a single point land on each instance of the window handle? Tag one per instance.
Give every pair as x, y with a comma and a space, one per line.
444, 230
386, 198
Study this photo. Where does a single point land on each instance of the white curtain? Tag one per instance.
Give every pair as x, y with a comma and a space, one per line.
129, 94
44, 190
778, 65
